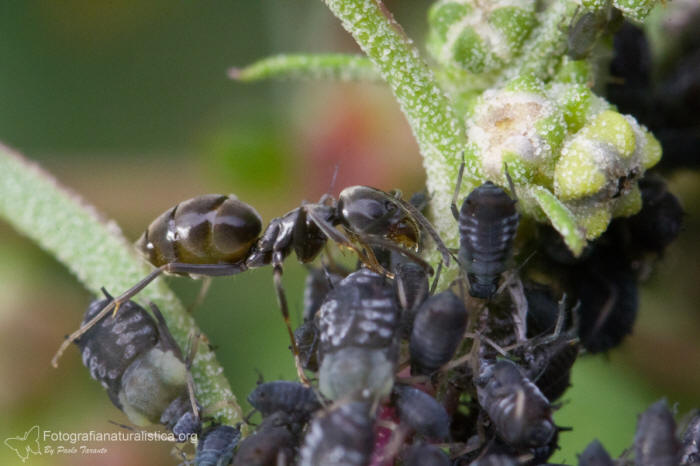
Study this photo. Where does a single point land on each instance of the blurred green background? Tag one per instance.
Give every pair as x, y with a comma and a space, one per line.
128, 104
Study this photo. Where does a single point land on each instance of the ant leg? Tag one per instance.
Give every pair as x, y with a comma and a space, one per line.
194, 343
112, 305
331, 232
203, 290
373, 240
436, 279
428, 227
282, 300
173, 267
453, 204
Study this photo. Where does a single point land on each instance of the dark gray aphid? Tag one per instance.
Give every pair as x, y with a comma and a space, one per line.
655, 442
585, 29
215, 447
421, 412
271, 444
595, 455
495, 460
518, 410
358, 349
488, 222
425, 455
139, 363
342, 436
437, 332
292, 398
690, 453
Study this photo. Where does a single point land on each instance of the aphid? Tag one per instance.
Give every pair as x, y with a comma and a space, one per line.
551, 371
595, 455
358, 349
138, 362
344, 435
421, 412
607, 291
421, 455
655, 442
437, 332
495, 460
518, 410
291, 398
411, 287
660, 220
215, 447
585, 30
690, 453
272, 444
487, 222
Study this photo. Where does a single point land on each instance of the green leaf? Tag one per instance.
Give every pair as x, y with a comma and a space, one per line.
563, 220
335, 66
93, 249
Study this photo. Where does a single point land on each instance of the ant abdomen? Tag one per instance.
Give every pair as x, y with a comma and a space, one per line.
207, 229
488, 221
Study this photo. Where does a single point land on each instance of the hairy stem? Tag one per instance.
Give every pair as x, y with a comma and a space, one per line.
94, 249
435, 124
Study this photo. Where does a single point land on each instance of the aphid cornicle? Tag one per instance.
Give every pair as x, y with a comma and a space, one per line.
215, 447
520, 413
595, 455
437, 332
137, 361
655, 442
487, 223
344, 435
358, 350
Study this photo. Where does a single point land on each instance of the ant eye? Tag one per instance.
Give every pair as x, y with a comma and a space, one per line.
389, 206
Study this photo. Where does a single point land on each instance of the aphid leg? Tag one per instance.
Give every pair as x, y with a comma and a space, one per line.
433, 287
517, 294
282, 301
458, 185
203, 290
343, 241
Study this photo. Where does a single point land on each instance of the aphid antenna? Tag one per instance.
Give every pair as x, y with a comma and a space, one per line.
123, 426
192, 352
458, 185
510, 182
433, 287
477, 337
413, 379
517, 294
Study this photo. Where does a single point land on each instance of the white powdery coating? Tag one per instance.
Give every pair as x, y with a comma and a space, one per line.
438, 131
503, 122
495, 42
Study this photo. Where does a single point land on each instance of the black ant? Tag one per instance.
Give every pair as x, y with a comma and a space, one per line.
219, 235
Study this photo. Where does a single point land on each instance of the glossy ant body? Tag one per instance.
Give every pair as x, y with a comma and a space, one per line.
218, 235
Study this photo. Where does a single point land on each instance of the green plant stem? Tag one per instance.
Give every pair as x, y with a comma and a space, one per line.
336, 66
437, 128
96, 252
